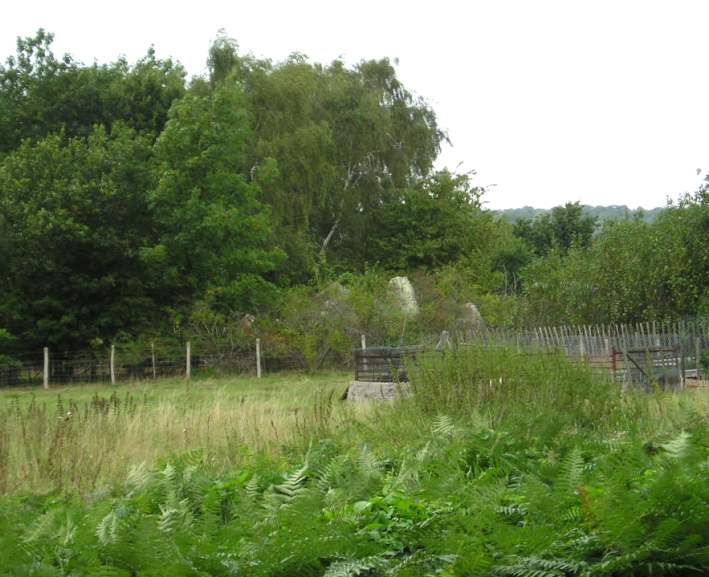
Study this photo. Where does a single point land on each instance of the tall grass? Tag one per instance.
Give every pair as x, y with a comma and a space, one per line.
497, 464
542, 393
85, 437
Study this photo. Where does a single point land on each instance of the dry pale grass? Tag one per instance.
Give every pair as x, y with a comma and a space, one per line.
81, 438
78, 439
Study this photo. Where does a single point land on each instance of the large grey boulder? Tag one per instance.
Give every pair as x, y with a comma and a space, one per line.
470, 317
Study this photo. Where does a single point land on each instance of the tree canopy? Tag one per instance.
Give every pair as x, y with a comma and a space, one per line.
563, 227
41, 94
133, 199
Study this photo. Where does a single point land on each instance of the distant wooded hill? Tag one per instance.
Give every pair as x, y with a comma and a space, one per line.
600, 212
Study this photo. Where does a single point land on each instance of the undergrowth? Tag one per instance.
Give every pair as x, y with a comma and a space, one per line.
550, 472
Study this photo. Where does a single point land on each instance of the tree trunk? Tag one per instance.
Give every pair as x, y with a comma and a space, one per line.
329, 236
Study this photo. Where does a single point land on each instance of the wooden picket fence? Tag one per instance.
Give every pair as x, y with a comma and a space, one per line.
648, 353
596, 340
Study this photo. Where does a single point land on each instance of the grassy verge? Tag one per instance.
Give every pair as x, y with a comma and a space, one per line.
499, 464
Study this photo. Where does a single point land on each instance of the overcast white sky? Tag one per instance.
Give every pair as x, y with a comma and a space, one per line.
605, 102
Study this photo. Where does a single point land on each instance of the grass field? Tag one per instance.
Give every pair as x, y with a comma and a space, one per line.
76, 438
498, 464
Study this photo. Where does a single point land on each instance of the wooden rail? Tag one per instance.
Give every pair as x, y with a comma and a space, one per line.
384, 364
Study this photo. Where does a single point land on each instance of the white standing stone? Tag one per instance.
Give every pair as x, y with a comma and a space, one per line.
404, 291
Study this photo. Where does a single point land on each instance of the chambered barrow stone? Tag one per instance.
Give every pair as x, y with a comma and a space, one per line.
360, 391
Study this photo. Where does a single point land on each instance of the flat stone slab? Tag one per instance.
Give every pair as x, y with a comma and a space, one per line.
363, 391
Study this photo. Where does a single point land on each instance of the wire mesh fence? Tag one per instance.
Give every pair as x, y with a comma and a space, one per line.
616, 349
133, 363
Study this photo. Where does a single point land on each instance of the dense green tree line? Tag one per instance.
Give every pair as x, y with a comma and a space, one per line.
133, 200
631, 271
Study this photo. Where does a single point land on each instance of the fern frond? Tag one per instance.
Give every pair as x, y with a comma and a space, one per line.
677, 447
570, 471
293, 484
423, 453
368, 463
175, 518
407, 477
43, 527
107, 529
443, 426
539, 567
326, 478
252, 487
169, 474
282, 495
357, 567
138, 479
514, 513
106, 571
615, 563
572, 514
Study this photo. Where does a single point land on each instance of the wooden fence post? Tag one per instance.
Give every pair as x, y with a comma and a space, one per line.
152, 358
363, 341
697, 356
444, 342
258, 358
188, 361
681, 366
627, 377
113, 364
45, 376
